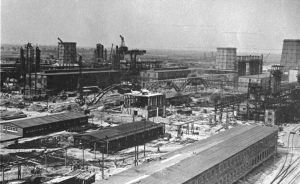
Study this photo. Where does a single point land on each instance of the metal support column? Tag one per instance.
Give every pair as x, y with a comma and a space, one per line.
95, 146
66, 156
19, 171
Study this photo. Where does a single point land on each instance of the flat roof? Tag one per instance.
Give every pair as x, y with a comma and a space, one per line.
171, 70
77, 72
43, 120
120, 131
291, 40
263, 75
186, 163
67, 42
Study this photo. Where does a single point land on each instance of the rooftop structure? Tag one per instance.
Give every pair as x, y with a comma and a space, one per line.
249, 65
290, 57
145, 104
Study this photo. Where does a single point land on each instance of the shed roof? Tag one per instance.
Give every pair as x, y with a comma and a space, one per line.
184, 164
31, 122
77, 72
120, 131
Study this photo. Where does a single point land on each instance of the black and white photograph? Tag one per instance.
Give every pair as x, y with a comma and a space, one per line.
150, 92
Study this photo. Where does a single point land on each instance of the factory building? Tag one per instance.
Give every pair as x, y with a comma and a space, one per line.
290, 57
249, 65
99, 53
145, 104
226, 58
113, 139
66, 53
286, 113
30, 127
262, 79
222, 158
164, 74
58, 80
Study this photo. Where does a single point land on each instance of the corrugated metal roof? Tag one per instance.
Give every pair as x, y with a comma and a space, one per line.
120, 131
30, 122
184, 164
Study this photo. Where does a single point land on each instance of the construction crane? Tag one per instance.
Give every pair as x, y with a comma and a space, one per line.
60, 40
122, 41
123, 48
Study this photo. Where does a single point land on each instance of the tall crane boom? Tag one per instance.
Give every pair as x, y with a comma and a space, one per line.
60, 40
122, 41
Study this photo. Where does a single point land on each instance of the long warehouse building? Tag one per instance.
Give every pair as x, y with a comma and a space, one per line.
113, 139
220, 159
36, 126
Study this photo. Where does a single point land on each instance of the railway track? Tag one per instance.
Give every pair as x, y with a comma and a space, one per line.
290, 163
295, 177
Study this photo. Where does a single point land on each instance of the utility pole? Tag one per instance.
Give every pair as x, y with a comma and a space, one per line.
102, 161
82, 153
82, 157
66, 155
45, 155
3, 181
95, 146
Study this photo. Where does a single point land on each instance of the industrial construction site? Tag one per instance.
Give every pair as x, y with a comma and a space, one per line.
120, 114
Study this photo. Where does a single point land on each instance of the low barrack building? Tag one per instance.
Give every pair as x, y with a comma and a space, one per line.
145, 104
43, 125
222, 158
261, 79
120, 137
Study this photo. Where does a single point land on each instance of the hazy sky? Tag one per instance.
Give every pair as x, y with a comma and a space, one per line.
259, 25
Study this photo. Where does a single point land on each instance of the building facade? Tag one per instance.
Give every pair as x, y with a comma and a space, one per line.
121, 137
262, 79
43, 125
226, 58
145, 104
290, 57
67, 52
99, 53
249, 65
